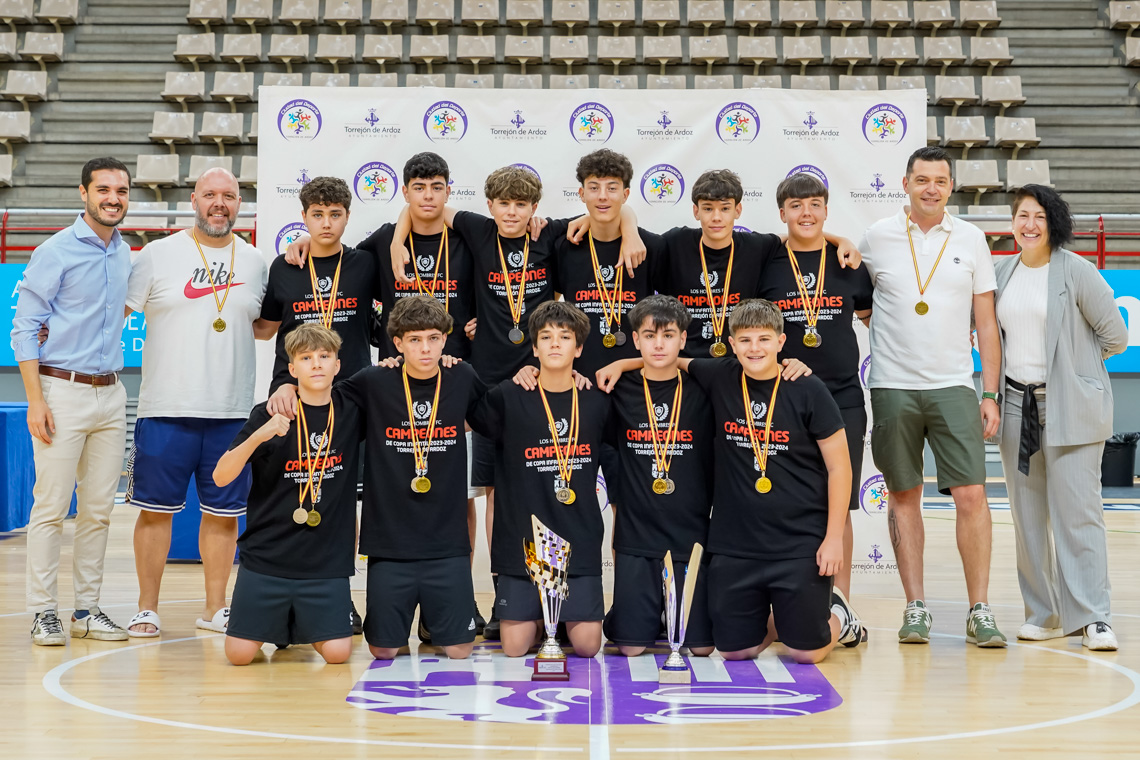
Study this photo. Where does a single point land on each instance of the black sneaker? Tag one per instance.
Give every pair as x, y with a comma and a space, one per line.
424, 633
480, 621
562, 636
357, 622
491, 629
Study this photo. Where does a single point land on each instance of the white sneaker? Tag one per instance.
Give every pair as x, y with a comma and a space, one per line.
1099, 637
97, 626
1030, 632
47, 631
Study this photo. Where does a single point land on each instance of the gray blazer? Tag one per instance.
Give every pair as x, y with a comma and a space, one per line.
1083, 327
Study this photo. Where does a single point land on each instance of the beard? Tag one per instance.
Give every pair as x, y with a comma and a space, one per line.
213, 230
95, 212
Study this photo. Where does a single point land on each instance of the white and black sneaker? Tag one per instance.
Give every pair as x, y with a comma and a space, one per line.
96, 625
357, 622
47, 631
1098, 637
850, 627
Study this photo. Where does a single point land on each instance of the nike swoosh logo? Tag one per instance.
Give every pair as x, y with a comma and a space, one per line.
192, 292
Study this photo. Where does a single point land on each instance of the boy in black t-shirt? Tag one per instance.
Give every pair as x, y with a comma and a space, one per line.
547, 466
296, 551
414, 519
819, 302
661, 425
776, 535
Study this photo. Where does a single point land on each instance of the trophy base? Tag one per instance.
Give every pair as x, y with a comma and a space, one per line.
550, 669
671, 675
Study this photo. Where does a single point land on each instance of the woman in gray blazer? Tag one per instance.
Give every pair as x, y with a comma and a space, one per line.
1059, 322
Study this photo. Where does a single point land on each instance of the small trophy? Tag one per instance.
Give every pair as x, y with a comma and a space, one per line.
547, 560
675, 670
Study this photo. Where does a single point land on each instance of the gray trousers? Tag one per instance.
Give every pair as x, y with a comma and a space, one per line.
1058, 523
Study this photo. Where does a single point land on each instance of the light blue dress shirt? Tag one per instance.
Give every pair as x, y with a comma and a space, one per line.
78, 286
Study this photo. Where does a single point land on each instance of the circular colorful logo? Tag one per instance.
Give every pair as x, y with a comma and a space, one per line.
299, 120
884, 124
663, 185
873, 495
530, 169
290, 233
445, 121
811, 169
591, 123
376, 182
737, 123
865, 371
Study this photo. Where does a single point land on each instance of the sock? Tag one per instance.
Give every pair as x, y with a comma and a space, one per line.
80, 614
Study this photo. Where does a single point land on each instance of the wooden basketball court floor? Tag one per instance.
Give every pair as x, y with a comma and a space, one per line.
176, 697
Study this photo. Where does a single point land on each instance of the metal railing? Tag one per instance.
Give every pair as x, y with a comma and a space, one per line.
1100, 236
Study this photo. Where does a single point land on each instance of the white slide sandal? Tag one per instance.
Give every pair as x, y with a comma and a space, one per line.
217, 623
149, 617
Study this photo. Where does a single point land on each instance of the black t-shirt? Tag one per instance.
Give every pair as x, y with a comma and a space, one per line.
578, 285
395, 522
454, 278
289, 300
682, 277
649, 524
790, 521
494, 356
272, 543
836, 360
526, 468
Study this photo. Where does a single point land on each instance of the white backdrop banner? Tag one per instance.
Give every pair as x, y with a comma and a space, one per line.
856, 142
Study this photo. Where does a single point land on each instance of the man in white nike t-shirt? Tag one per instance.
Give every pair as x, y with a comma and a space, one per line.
201, 291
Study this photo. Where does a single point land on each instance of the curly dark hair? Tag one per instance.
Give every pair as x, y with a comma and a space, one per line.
603, 164
1057, 214
325, 191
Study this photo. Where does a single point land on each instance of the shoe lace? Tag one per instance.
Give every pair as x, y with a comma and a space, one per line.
914, 615
1102, 627
102, 619
50, 624
984, 619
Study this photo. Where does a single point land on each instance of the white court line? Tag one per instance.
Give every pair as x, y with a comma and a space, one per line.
773, 670
111, 606
1131, 700
710, 669
643, 668
600, 734
53, 685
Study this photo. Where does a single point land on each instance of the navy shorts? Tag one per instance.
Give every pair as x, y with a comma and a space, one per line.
516, 598
442, 589
168, 450
482, 461
855, 424
266, 608
639, 599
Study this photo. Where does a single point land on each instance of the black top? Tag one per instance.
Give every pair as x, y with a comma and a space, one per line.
790, 521
272, 543
289, 300
454, 279
682, 277
526, 468
648, 524
578, 285
494, 356
836, 360
395, 522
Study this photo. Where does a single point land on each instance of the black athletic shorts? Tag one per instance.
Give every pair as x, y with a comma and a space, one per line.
442, 589
743, 591
266, 608
610, 463
482, 461
639, 599
855, 424
516, 598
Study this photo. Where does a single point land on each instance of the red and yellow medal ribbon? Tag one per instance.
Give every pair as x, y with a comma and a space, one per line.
563, 457
811, 306
310, 461
611, 303
325, 308
421, 447
443, 254
760, 451
515, 303
663, 451
718, 320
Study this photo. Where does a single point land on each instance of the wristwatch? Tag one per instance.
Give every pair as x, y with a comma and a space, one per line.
994, 395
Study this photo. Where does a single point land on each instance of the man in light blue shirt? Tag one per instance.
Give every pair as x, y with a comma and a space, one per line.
77, 283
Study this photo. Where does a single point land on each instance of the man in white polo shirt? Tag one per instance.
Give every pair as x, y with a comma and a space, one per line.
201, 291
931, 273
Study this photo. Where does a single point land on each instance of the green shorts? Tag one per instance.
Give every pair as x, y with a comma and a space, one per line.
947, 417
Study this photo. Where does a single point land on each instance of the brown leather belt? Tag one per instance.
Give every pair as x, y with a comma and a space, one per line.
78, 377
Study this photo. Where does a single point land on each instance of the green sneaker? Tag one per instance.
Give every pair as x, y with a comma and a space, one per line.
916, 624
981, 628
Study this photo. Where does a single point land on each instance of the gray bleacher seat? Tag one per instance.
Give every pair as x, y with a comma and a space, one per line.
277, 79
383, 49
172, 127
221, 128
523, 50
570, 13
336, 49
978, 14
329, 79
58, 12
896, 51
524, 13
251, 136
932, 136
25, 86
705, 13
708, 50
390, 79
1124, 14
613, 82
1132, 51
803, 50
759, 51
523, 81
850, 51
8, 46
933, 15
801, 82
15, 126
661, 50
977, 177
476, 49
344, 13
769, 81
955, 91
233, 87
134, 222
299, 13
754, 14
184, 217
862, 83
660, 14
425, 80
435, 13
942, 51
666, 82
569, 81
964, 132
6, 165
253, 12
1004, 91
14, 12
714, 82
475, 81
192, 48
1015, 133
1021, 173
479, 13
185, 87
247, 171
157, 171
991, 51
207, 13
617, 50
844, 14
798, 14
429, 49
894, 82
569, 49
241, 48
289, 49
42, 47
1000, 217
389, 13
200, 164
616, 13
890, 14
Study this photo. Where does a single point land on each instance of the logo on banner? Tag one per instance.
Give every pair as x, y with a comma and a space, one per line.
461, 191
737, 123
877, 191
530, 169
519, 127
884, 124
591, 123
873, 495
289, 234
875, 556
664, 129
445, 121
865, 371
372, 125
376, 182
292, 187
741, 228
811, 169
811, 129
299, 120
663, 185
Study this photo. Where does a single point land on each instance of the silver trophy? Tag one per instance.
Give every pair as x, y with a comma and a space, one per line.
547, 560
675, 670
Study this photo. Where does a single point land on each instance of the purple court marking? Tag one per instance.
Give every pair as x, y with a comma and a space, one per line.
613, 690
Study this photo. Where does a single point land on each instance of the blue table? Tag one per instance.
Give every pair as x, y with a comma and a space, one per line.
19, 468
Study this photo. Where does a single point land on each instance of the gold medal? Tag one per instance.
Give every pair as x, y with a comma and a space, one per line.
812, 306
719, 320
421, 444
611, 300
763, 484
660, 485
921, 308
609, 340
718, 349
300, 515
759, 450
571, 496
663, 450
313, 464
219, 324
516, 336
812, 339
314, 518
562, 490
421, 484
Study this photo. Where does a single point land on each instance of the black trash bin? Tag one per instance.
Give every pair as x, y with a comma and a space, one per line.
1119, 460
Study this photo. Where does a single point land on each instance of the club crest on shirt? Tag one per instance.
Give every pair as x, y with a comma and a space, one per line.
324, 284
607, 273
661, 411
561, 427
759, 410
515, 258
422, 410
425, 263
713, 279
317, 441
809, 280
